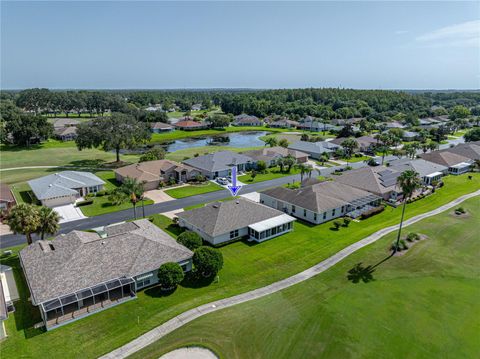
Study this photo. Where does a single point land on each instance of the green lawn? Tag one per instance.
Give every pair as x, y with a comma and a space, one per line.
192, 190
23, 193
271, 173
424, 304
247, 266
102, 205
356, 159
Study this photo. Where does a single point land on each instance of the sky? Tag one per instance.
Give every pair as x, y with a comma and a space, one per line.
165, 45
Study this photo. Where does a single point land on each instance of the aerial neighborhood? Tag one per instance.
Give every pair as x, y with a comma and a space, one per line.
162, 211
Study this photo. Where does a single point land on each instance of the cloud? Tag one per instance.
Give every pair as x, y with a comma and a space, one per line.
401, 32
466, 34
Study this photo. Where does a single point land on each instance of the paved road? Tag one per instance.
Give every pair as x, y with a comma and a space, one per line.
115, 217
186, 317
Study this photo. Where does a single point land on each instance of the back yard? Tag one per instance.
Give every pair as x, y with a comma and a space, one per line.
247, 266
423, 304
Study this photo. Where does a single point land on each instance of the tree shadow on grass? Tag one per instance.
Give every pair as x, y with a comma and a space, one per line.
196, 280
158, 292
365, 274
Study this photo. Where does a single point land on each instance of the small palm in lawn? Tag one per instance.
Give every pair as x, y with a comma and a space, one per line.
135, 191
271, 141
24, 219
350, 144
302, 168
324, 157
408, 181
49, 220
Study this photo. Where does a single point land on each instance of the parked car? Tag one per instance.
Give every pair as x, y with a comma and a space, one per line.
222, 181
373, 162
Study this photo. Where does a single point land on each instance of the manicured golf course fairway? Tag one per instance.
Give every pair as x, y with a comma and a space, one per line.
423, 304
246, 266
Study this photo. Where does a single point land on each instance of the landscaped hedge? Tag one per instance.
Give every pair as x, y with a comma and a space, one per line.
85, 203
372, 212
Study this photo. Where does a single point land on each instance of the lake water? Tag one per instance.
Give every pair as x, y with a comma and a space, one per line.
234, 139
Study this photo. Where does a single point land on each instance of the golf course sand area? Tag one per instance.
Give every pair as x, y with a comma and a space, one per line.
190, 353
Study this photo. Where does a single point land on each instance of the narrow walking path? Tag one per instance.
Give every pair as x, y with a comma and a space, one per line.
186, 317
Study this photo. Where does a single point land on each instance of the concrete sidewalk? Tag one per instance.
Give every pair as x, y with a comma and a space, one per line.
186, 317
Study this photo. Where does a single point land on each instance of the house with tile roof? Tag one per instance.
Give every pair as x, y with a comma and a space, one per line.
190, 125
80, 273
320, 202
152, 173
222, 222
247, 120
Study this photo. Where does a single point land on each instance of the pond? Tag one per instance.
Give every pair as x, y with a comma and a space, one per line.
234, 139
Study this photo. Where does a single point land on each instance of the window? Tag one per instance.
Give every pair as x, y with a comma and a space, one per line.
324, 215
143, 282
304, 212
314, 216
234, 234
333, 212
293, 209
343, 208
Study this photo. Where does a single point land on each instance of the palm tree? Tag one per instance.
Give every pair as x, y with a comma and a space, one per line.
408, 181
134, 190
302, 168
350, 144
24, 219
308, 170
49, 220
324, 157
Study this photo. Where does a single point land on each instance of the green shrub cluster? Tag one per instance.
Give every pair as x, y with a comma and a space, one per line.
84, 203
372, 212
412, 237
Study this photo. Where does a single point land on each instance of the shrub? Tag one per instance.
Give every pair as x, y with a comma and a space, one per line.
411, 237
153, 154
190, 239
172, 181
196, 154
346, 221
403, 244
170, 275
337, 224
261, 166
101, 193
460, 210
200, 178
89, 195
372, 212
253, 174
207, 260
84, 203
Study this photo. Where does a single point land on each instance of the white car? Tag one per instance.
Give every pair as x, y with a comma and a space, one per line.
222, 180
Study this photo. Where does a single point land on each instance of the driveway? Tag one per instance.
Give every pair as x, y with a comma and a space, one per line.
158, 196
69, 213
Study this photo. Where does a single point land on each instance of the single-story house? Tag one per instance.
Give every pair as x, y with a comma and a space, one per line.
320, 202
65, 122
271, 154
470, 150
66, 133
311, 124
219, 164
80, 273
457, 164
365, 143
410, 135
189, 125
429, 123
394, 124
222, 222
380, 181
64, 187
151, 173
314, 149
428, 171
154, 108
7, 200
196, 107
8, 295
247, 120
158, 127
347, 121
284, 123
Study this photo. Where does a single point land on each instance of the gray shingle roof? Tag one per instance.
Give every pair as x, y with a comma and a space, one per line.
422, 167
222, 217
319, 197
378, 180
444, 157
218, 161
62, 184
314, 147
82, 259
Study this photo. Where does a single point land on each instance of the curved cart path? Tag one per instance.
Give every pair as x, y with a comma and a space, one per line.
181, 319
